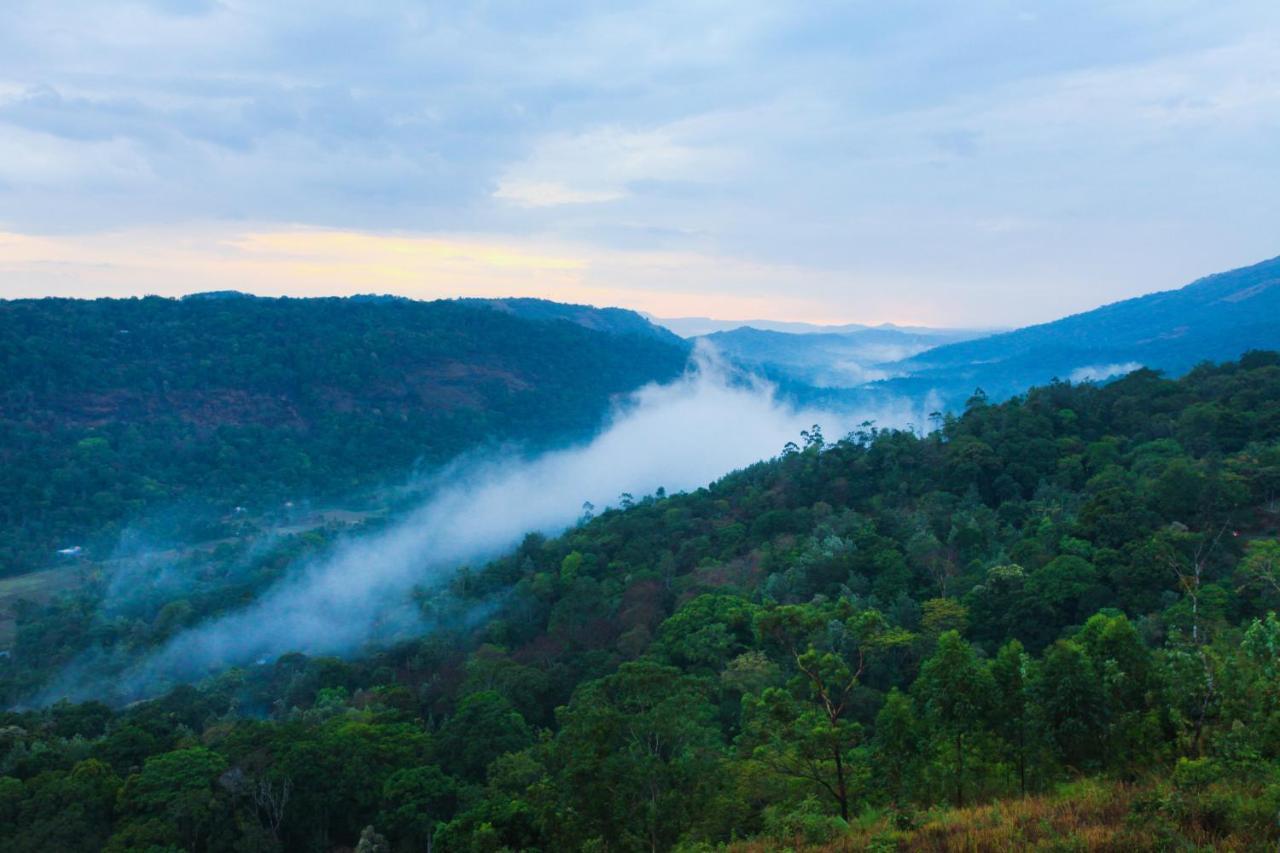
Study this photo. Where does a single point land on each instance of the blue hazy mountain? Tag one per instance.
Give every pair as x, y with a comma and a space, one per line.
828, 359
1216, 318
693, 327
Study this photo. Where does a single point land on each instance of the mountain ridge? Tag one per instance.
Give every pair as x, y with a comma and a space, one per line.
1214, 318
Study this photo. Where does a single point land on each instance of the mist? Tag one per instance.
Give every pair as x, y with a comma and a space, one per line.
1102, 372
678, 436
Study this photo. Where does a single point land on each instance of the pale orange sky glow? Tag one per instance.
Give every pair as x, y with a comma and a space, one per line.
300, 261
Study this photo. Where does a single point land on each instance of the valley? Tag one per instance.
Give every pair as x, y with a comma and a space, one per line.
382, 468
799, 625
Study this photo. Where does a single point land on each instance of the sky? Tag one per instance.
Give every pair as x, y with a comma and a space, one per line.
932, 163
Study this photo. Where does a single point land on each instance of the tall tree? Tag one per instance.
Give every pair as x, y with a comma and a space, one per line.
956, 690
1013, 713
804, 730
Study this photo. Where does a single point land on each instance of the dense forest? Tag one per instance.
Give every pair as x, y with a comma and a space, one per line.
174, 412
1050, 622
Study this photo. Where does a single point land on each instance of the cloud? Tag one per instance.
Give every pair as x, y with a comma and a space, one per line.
678, 436
605, 164
548, 193
1099, 372
876, 148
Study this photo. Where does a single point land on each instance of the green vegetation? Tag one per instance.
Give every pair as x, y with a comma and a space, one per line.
1051, 622
171, 413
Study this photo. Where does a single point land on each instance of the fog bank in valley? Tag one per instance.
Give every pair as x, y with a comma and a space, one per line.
677, 436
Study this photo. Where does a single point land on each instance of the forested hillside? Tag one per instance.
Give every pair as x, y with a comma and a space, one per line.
616, 320
1050, 622
113, 410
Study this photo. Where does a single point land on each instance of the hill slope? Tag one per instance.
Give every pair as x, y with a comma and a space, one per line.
617, 321
111, 407
1213, 319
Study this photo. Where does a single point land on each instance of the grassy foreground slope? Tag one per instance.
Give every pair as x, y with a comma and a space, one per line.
1050, 622
1089, 814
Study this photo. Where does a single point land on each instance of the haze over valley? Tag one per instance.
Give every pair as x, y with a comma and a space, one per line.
476, 424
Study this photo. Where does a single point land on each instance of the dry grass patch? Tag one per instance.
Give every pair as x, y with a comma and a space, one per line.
1084, 816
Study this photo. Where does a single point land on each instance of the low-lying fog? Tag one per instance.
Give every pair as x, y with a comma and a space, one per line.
678, 436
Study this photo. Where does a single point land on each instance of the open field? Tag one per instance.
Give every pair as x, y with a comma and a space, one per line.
33, 586
40, 586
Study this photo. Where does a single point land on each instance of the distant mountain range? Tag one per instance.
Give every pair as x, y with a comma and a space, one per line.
828, 359
110, 408
692, 327
1216, 318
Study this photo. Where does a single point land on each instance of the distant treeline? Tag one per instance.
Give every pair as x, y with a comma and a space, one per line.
831, 647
